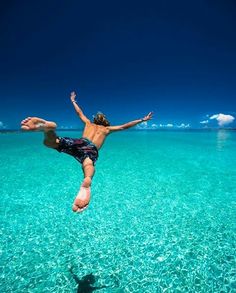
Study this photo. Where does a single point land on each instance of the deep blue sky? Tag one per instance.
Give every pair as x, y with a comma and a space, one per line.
125, 58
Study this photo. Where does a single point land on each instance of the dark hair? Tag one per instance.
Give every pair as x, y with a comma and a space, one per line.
100, 119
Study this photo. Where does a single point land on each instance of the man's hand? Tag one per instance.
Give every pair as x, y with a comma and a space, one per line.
72, 96
148, 117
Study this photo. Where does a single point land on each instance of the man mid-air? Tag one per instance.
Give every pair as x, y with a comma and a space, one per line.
84, 149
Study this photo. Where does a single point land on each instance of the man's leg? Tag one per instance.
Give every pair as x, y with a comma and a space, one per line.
83, 197
39, 124
50, 139
89, 170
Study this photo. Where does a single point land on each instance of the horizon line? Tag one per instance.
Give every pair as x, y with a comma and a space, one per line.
134, 129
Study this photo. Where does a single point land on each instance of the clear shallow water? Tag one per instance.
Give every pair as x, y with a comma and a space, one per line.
161, 219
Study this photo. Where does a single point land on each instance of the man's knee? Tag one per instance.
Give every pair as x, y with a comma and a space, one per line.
87, 163
50, 144
88, 168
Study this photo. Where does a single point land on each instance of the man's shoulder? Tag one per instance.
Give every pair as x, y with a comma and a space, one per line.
94, 126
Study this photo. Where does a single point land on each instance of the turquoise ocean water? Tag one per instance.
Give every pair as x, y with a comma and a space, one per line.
161, 219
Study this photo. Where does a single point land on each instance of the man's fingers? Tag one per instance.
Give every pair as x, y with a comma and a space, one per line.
150, 115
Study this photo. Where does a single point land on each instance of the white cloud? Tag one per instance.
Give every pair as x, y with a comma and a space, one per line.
166, 125
65, 127
223, 119
142, 125
145, 125
182, 125
2, 125
214, 116
204, 122
154, 126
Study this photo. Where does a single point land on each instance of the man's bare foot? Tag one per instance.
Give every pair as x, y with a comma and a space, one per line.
82, 199
35, 123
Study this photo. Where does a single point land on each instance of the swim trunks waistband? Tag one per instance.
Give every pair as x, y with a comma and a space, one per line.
89, 141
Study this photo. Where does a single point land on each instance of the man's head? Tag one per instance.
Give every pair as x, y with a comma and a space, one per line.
100, 119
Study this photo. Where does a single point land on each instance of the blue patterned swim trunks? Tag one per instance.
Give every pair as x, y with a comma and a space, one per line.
79, 148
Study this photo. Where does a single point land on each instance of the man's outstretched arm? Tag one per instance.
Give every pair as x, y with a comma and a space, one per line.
77, 108
130, 124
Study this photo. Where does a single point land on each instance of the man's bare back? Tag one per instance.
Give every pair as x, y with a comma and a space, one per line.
95, 133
